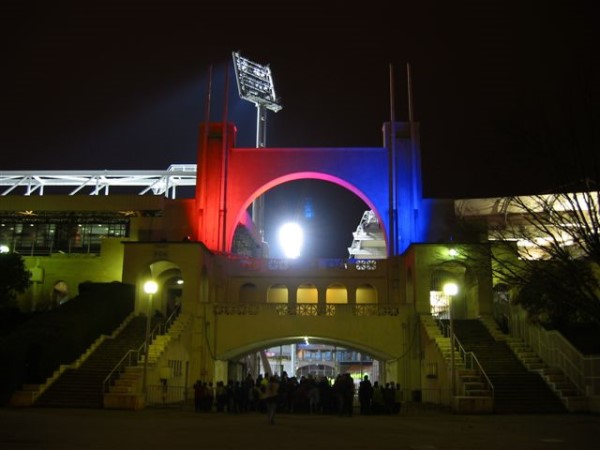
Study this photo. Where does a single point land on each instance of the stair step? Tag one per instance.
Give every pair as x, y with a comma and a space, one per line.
517, 389
83, 387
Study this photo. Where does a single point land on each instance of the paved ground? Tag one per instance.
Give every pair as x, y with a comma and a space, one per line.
66, 429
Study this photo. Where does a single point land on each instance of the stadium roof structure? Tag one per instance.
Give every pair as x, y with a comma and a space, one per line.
98, 182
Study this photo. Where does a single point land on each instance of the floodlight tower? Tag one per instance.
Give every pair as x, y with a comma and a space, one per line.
255, 84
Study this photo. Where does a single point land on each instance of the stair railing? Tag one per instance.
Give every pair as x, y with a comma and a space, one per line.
131, 358
556, 351
443, 324
471, 362
172, 318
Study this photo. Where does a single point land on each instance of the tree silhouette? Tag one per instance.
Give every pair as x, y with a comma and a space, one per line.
547, 248
14, 279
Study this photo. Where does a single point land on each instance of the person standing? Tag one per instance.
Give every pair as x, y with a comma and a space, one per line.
397, 398
271, 397
348, 387
365, 395
198, 396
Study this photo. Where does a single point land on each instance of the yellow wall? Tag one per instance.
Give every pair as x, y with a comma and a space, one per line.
73, 269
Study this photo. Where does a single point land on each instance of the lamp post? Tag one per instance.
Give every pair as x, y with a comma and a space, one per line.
450, 290
150, 288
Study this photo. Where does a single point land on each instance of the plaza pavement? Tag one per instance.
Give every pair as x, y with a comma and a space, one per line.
172, 429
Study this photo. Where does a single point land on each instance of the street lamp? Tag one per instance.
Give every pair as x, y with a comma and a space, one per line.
150, 288
450, 290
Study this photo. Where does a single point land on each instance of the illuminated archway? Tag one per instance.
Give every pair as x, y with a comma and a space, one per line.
242, 212
386, 178
337, 294
307, 293
171, 284
278, 293
366, 294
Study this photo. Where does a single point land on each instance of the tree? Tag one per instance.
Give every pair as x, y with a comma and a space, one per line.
14, 278
547, 247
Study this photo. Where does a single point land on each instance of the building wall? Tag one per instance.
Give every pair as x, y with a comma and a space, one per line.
264, 275
470, 269
157, 248
73, 269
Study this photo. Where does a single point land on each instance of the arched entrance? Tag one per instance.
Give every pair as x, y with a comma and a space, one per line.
303, 356
230, 179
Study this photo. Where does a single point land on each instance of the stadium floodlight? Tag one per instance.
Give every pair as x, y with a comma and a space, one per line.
255, 84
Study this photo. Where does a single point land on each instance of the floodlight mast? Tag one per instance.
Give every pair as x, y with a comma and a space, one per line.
255, 84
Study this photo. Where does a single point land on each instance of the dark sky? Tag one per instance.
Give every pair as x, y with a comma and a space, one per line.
121, 84
502, 89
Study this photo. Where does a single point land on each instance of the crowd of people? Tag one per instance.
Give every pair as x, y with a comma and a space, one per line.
307, 395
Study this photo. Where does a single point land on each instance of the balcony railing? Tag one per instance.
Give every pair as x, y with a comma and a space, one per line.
282, 265
304, 309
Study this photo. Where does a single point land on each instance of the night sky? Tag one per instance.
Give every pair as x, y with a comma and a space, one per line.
502, 89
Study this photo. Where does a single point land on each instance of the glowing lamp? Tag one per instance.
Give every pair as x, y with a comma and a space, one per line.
291, 239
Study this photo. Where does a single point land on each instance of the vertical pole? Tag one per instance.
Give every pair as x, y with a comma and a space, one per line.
146, 345
391, 169
410, 100
452, 374
293, 360
261, 126
201, 182
258, 206
224, 166
415, 156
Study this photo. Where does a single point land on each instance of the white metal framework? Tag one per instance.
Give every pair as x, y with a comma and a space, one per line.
98, 182
368, 239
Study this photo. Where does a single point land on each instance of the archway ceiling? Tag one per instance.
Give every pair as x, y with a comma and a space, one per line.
261, 345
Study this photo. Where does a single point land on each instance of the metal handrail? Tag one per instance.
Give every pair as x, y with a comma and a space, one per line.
172, 317
470, 356
120, 367
465, 355
556, 351
482, 372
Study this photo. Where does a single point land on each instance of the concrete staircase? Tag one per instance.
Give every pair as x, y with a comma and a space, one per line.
161, 342
82, 387
473, 393
126, 391
434, 333
517, 389
472, 384
557, 380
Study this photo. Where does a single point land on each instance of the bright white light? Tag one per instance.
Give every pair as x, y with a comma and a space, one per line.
150, 287
4, 249
291, 239
450, 289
